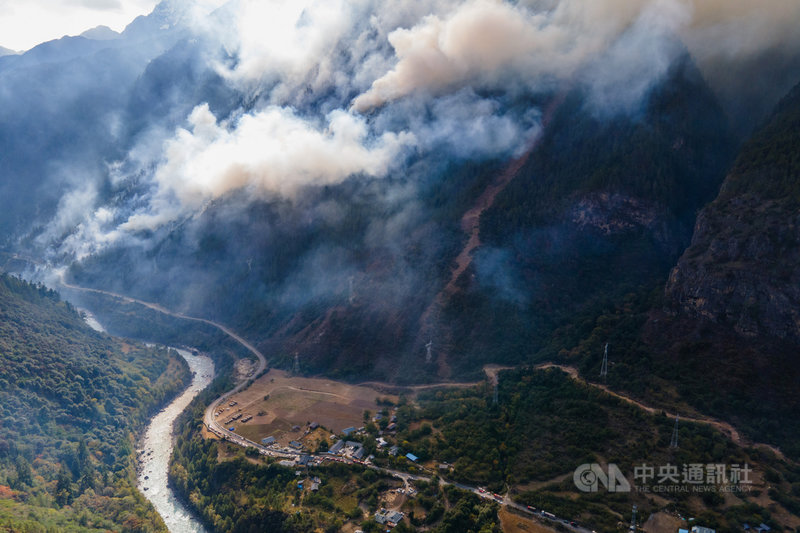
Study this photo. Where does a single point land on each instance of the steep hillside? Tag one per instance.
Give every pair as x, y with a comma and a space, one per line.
602, 208
347, 276
742, 269
71, 401
721, 339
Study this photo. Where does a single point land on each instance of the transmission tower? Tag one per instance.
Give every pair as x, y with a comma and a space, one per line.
673, 443
633, 519
604, 366
429, 353
352, 296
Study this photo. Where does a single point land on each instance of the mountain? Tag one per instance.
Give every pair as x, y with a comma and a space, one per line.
741, 269
7, 51
100, 33
347, 266
63, 107
71, 400
727, 330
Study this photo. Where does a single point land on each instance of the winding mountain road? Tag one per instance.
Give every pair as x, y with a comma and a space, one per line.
208, 416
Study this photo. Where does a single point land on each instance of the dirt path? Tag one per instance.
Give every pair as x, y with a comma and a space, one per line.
471, 225
724, 427
471, 221
491, 372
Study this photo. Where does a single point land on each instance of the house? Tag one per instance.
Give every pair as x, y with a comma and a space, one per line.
268, 441
359, 453
314, 486
347, 431
394, 450
763, 528
286, 463
411, 457
313, 425
377, 417
701, 529
296, 445
683, 531
336, 448
746, 526
381, 442
303, 460
391, 427
388, 517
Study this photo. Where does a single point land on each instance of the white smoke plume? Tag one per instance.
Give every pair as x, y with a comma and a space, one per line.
335, 88
272, 150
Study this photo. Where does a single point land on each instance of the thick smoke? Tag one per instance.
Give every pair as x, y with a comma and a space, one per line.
272, 150
329, 89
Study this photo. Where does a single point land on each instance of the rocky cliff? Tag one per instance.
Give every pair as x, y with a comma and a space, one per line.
742, 269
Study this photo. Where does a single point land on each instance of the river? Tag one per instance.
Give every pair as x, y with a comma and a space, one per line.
153, 461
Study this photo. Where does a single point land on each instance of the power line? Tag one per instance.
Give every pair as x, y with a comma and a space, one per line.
604, 365
673, 443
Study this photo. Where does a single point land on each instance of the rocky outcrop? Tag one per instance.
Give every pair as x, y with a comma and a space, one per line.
743, 266
609, 214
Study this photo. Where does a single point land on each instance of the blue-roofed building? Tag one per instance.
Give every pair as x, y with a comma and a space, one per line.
347, 431
267, 441
411, 457
336, 448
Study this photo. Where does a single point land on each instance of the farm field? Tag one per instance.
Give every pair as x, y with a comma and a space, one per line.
278, 403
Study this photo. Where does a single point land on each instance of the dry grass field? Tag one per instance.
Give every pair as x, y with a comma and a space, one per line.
278, 402
515, 523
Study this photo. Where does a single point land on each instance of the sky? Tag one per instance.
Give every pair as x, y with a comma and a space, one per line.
26, 23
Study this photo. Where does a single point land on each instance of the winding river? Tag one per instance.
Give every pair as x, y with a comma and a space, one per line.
153, 459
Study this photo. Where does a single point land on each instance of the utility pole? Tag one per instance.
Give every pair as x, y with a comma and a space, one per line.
495, 397
604, 366
429, 354
673, 443
296, 363
633, 519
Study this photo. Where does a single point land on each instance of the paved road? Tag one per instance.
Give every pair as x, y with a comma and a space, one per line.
222, 432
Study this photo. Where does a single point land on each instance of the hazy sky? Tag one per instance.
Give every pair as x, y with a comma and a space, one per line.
26, 23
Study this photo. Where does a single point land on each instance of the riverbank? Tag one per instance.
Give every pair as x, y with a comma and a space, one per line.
156, 449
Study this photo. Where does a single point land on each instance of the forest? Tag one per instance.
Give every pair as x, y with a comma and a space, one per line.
71, 404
